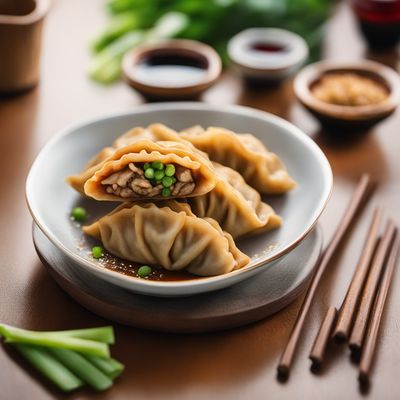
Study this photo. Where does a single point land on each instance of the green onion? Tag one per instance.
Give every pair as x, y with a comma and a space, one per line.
170, 170
17, 335
49, 366
79, 214
103, 334
97, 252
167, 181
166, 192
82, 368
149, 173
110, 366
144, 271
157, 165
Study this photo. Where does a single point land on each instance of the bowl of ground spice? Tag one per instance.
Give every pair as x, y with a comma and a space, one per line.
347, 96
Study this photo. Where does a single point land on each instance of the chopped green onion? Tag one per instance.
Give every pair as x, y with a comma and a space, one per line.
49, 366
144, 271
158, 175
79, 214
149, 173
167, 181
110, 366
97, 252
170, 170
146, 165
158, 165
166, 192
17, 335
82, 368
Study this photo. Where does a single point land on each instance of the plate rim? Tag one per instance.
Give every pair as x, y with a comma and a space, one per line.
187, 106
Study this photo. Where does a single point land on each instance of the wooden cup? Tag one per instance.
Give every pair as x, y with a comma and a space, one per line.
20, 43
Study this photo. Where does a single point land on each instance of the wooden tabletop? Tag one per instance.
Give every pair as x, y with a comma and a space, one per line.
238, 364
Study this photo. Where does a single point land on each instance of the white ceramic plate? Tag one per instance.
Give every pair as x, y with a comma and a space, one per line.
50, 199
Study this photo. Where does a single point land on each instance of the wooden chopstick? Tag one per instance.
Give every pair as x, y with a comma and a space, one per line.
370, 289
370, 342
321, 341
351, 210
349, 306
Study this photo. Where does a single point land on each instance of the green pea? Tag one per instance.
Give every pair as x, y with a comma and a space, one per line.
166, 192
158, 175
146, 165
79, 214
149, 173
158, 165
97, 252
167, 181
173, 179
170, 170
144, 271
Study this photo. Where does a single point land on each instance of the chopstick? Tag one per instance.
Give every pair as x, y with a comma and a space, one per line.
351, 210
370, 342
349, 306
321, 341
370, 289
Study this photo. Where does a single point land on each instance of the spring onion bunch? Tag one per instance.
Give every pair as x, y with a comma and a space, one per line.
211, 21
70, 359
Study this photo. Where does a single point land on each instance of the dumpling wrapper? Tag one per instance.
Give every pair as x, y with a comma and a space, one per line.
167, 234
147, 151
235, 205
154, 132
246, 154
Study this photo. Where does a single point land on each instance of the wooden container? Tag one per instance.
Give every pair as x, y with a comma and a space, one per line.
20, 43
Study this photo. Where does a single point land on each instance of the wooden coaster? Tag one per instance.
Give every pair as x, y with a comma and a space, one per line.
241, 304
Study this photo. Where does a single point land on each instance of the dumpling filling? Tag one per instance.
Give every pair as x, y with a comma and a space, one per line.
150, 180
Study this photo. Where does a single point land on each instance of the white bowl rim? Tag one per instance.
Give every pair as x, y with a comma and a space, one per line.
190, 106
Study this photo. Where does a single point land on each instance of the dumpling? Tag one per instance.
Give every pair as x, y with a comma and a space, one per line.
169, 235
243, 152
235, 205
152, 170
154, 132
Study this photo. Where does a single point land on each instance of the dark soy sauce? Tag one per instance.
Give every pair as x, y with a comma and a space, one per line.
268, 47
171, 70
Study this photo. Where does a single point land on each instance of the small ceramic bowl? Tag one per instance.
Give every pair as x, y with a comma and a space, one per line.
172, 69
344, 118
267, 54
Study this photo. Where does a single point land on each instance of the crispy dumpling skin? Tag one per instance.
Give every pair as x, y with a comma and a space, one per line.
167, 234
235, 205
246, 154
154, 132
146, 151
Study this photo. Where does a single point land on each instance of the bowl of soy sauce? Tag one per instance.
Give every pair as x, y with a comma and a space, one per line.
172, 69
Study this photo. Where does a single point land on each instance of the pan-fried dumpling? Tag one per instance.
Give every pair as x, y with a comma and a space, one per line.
154, 132
168, 235
152, 170
243, 152
235, 205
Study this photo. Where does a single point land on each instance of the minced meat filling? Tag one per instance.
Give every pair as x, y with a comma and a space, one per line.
150, 180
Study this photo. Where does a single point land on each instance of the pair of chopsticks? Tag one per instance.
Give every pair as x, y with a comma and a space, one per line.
365, 297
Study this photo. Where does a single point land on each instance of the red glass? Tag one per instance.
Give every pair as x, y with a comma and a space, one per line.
379, 21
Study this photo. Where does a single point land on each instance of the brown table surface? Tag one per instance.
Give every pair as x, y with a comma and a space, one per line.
239, 364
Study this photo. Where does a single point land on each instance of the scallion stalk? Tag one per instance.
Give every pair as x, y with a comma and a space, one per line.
110, 366
82, 368
13, 335
49, 366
